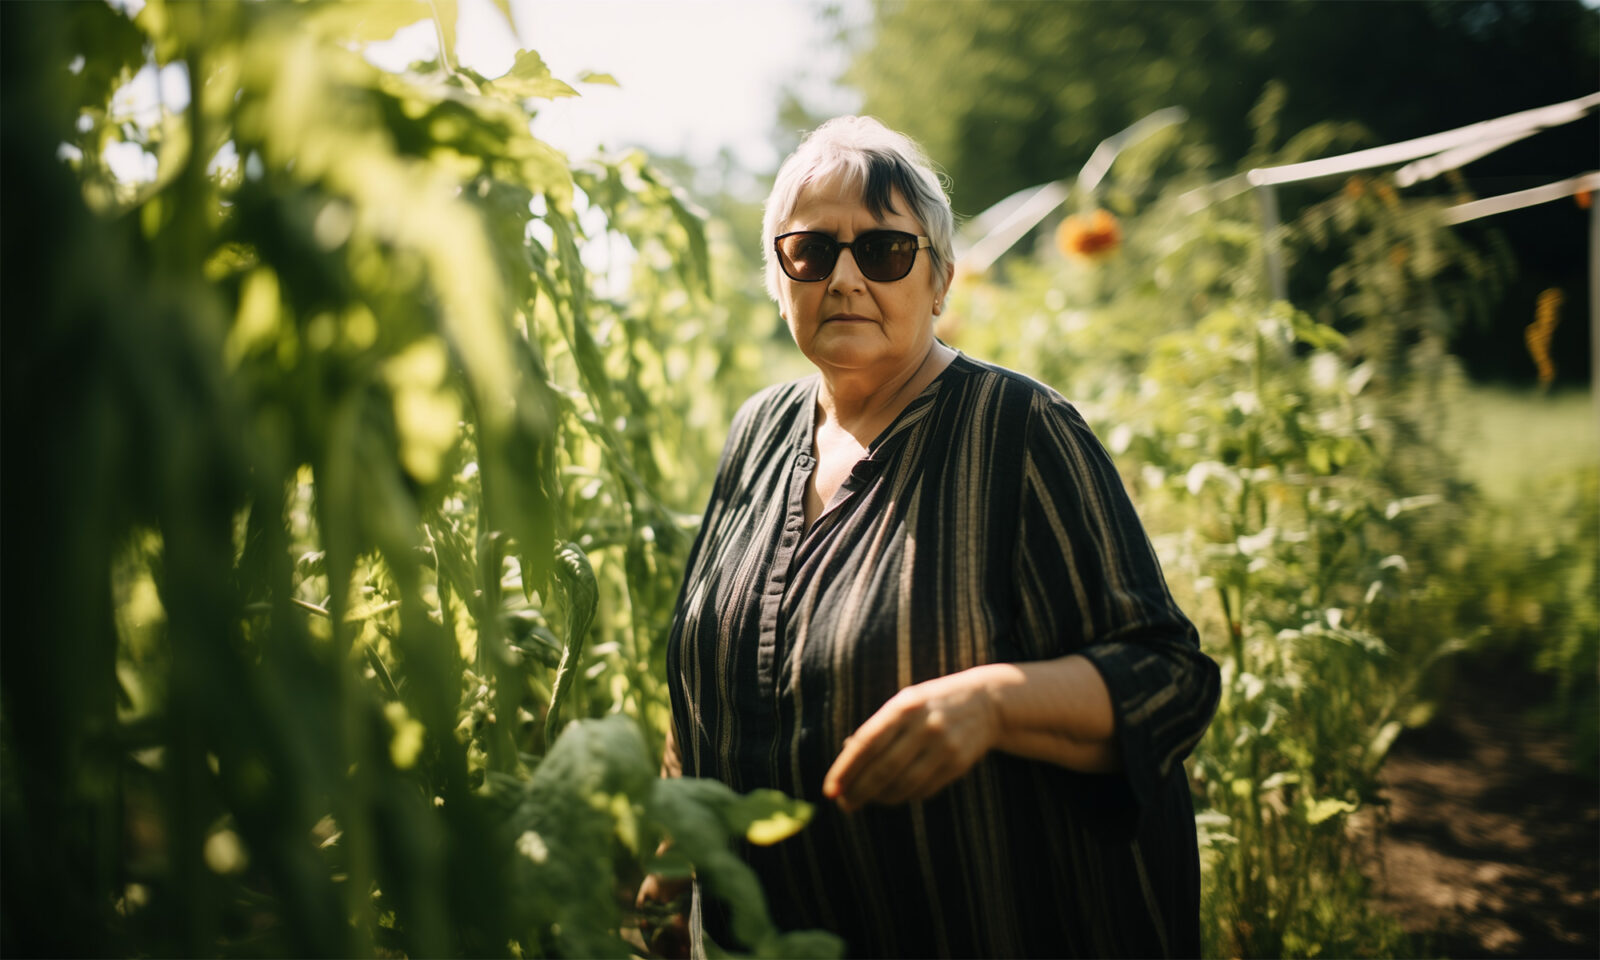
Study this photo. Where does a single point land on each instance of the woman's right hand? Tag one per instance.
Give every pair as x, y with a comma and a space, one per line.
667, 936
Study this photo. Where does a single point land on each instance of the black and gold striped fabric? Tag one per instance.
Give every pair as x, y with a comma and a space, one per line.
985, 524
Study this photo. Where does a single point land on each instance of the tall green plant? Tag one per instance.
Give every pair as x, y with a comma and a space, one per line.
346, 495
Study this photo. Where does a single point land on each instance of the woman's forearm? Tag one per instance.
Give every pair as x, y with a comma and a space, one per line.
930, 733
1058, 711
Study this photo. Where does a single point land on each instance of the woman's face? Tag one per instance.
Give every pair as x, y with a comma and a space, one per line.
847, 323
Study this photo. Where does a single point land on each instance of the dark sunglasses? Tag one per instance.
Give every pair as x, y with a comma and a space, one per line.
881, 255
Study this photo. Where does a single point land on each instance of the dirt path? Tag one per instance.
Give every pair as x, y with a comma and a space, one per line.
1492, 847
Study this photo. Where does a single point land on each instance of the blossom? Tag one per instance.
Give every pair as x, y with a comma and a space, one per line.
1547, 315
1089, 236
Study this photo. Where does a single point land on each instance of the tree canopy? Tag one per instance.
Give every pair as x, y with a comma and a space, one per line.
1010, 94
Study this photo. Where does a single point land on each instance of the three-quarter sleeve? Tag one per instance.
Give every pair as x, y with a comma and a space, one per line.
1089, 583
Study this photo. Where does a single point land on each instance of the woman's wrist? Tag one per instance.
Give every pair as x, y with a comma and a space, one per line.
1058, 711
994, 681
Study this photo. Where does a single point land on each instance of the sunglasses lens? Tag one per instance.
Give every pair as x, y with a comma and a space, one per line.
881, 255
885, 255
808, 256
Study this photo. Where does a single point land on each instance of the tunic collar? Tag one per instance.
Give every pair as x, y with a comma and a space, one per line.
895, 434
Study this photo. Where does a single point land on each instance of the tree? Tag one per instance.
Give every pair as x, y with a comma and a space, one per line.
1006, 95
1009, 94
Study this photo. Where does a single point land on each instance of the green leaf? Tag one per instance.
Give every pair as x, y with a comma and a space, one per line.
697, 271
1318, 811
531, 636
702, 816
1378, 748
765, 817
603, 79
591, 364
1317, 458
113, 44
583, 597
529, 77
564, 831
364, 21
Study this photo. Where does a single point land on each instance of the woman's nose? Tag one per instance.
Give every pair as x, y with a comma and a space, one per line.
846, 275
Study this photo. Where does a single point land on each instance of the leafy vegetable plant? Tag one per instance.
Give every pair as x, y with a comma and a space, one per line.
356, 501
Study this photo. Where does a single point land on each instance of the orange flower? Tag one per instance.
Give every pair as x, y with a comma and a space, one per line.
1089, 236
1354, 188
1584, 198
1547, 314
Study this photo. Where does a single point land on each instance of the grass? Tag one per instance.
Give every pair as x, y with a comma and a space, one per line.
1510, 439
1535, 546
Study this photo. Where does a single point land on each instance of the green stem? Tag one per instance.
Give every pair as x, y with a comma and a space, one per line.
1235, 631
444, 47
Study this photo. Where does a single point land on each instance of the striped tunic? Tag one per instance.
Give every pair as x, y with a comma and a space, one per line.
984, 524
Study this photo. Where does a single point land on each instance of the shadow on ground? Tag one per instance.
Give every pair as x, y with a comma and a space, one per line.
1492, 843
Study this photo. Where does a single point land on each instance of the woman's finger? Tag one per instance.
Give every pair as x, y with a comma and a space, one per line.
862, 748
943, 753
863, 753
873, 775
925, 737
911, 782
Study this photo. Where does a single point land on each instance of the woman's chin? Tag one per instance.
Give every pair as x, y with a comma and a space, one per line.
849, 347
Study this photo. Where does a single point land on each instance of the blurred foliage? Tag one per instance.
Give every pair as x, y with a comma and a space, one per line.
1023, 89
1298, 468
1534, 549
1538, 562
1014, 93
341, 482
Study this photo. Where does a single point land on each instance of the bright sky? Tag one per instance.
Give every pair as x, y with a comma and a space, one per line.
696, 75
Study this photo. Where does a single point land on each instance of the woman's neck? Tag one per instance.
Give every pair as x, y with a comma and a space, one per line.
862, 403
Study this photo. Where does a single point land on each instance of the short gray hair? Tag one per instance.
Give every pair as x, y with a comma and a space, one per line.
874, 159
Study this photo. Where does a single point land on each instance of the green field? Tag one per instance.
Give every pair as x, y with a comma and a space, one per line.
1508, 438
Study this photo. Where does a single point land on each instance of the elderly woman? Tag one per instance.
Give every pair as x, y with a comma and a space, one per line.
922, 600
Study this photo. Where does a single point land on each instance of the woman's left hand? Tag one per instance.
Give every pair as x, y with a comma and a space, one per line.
925, 737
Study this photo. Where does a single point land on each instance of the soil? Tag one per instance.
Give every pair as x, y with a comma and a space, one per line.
1491, 842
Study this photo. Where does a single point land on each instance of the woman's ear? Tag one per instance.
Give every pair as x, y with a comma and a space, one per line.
944, 289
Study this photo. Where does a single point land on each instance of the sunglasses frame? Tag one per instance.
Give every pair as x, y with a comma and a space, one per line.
923, 243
